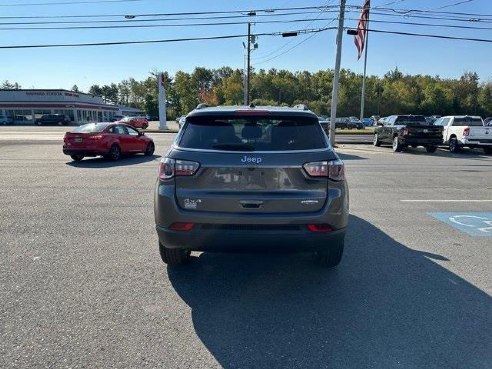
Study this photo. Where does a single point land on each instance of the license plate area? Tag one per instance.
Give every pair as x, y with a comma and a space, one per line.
78, 139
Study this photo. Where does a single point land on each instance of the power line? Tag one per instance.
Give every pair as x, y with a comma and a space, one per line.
160, 19
432, 36
243, 12
70, 3
458, 3
113, 43
302, 31
260, 57
298, 44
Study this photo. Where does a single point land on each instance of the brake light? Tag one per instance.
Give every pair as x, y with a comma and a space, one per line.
168, 168
333, 169
185, 168
252, 112
181, 226
317, 168
319, 228
466, 131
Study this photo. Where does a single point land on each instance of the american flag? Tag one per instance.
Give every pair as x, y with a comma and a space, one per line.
360, 37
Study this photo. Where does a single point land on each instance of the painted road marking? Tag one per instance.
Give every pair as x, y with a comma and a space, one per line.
475, 224
477, 200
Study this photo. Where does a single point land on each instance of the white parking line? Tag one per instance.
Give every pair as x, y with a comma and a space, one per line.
477, 200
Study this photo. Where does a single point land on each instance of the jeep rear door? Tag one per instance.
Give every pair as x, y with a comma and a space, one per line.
252, 164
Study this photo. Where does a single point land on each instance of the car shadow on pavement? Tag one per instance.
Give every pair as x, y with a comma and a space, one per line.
349, 157
385, 306
100, 162
442, 152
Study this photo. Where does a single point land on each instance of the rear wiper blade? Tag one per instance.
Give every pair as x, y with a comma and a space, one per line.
234, 146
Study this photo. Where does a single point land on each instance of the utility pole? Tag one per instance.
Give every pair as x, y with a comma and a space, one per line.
248, 63
336, 77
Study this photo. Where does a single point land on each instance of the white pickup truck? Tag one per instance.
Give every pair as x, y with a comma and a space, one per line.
464, 130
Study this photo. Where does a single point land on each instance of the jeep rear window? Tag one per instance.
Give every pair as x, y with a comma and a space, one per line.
254, 133
91, 127
411, 119
467, 121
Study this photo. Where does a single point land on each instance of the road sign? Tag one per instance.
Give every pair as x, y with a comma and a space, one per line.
477, 224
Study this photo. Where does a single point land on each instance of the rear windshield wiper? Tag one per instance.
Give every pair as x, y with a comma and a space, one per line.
234, 146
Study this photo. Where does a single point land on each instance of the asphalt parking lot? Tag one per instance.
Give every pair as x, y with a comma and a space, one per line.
82, 284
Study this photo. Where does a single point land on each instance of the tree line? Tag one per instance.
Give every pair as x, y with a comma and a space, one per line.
393, 93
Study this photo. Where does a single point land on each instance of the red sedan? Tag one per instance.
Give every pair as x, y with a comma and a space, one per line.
110, 140
136, 122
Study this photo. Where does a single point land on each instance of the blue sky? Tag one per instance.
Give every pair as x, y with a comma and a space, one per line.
84, 66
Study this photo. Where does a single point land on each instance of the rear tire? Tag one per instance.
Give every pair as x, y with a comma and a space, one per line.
174, 257
376, 141
397, 147
114, 152
149, 151
77, 157
453, 145
331, 257
431, 149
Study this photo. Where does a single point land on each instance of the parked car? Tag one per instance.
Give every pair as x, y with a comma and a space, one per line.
20, 119
251, 178
355, 123
6, 120
367, 122
408, 130
381, 121
110, 140
487, 121
136, 122
116, 118
375, 119
58, 119
464, 130
325, 124
342, 122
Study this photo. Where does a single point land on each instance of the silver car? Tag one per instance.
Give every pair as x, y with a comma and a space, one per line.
251, 179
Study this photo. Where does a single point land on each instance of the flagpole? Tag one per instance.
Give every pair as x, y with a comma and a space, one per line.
363, 93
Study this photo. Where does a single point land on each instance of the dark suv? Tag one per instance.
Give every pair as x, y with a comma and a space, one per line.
251, 179
59, 119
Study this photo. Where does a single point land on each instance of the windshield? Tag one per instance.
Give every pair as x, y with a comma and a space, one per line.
92, 127
252, 133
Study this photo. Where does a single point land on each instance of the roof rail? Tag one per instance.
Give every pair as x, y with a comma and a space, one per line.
201, 106
301, 106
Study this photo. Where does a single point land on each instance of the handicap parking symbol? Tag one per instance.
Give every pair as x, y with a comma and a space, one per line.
477, 224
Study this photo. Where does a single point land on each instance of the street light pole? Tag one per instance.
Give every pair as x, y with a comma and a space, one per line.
336, 76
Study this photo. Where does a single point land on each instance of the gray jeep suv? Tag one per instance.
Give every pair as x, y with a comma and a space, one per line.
251, 179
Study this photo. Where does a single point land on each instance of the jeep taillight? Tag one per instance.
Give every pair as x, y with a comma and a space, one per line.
466, 131
333, 169
170, 168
